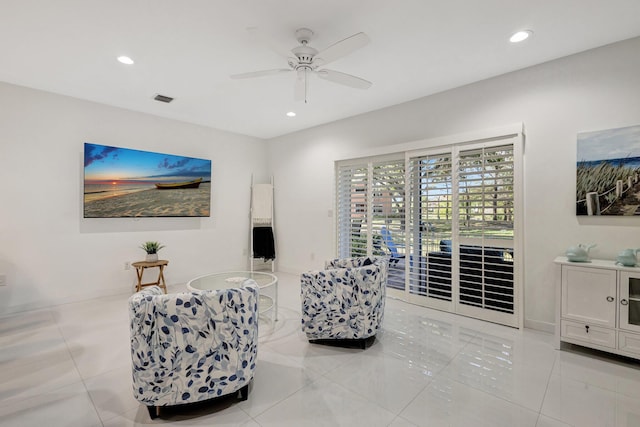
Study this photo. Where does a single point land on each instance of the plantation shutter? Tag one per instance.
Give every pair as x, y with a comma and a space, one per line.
447, 219
388, 210
431, 220
352, 210
486, 230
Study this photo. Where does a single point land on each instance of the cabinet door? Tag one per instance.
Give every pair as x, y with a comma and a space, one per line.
589, 295
630, 301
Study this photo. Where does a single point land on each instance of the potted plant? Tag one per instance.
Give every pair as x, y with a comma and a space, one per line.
151, 248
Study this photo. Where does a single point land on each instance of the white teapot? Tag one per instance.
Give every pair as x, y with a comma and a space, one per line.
627, 257
579, 253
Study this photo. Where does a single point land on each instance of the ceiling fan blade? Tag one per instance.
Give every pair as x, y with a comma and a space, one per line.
341, 48
260, 73
344, 79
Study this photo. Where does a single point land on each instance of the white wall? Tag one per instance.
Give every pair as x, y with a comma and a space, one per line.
51, 254
598, 89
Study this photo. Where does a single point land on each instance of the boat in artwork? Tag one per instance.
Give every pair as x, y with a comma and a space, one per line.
175, 185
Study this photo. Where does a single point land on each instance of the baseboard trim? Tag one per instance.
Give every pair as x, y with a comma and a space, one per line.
539, 325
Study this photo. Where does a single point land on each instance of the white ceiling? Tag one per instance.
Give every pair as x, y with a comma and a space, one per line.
187, 50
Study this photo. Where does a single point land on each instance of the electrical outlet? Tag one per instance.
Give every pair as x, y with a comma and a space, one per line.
3, 280
127, 265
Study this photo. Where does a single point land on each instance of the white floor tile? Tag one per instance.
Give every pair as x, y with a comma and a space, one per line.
69, 406
544, 421
325, 403
105, 310
36, 374
318, 357
100, 348
600, 370
26, 321
24, 343
276, 378
401, 422
112, 393
516, 370
448, 403
580, 404
288, 324
423, 341
384, 379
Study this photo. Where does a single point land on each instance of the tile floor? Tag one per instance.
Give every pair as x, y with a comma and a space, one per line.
69, 366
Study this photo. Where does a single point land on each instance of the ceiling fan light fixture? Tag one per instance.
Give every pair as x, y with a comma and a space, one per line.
125, 60
520, 36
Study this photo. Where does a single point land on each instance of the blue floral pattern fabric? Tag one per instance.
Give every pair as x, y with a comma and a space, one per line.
192, 346
346, 300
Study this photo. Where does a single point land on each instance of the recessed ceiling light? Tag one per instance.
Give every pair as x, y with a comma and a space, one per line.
291, 114
520, 36
125, 60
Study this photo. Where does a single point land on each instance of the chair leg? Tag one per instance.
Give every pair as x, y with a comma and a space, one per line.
243, 393
154, 411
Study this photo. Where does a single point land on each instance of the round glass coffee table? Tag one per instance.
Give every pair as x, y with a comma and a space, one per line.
267, 282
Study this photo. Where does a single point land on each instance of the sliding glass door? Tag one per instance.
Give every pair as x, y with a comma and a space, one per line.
485, 233
371, 212
447, 218
430, 229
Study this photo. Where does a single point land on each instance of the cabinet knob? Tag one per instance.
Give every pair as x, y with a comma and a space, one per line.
624, 302
610, 298
586, 328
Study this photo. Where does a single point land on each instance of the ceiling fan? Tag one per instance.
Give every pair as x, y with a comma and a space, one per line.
307, 60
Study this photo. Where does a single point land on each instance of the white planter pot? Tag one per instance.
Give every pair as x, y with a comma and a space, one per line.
151, 257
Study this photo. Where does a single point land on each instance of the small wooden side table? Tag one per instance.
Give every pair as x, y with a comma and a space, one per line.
140, 266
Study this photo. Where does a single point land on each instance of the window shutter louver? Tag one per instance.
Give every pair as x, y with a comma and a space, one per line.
431, 220
486, 204
388, 216
352, 206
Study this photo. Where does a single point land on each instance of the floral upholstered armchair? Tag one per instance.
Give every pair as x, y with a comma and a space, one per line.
344, 301
192, 346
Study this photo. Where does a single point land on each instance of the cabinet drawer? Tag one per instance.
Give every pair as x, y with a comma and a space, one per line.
595, 335
629, 343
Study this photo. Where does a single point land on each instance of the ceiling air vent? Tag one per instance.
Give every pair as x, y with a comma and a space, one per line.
163, 98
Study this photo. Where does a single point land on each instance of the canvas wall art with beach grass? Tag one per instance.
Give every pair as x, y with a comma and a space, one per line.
608, 172
122, 182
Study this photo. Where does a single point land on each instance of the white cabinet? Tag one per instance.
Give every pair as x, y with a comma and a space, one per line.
598, 306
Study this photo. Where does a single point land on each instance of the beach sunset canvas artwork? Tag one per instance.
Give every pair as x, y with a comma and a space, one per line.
121, 182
